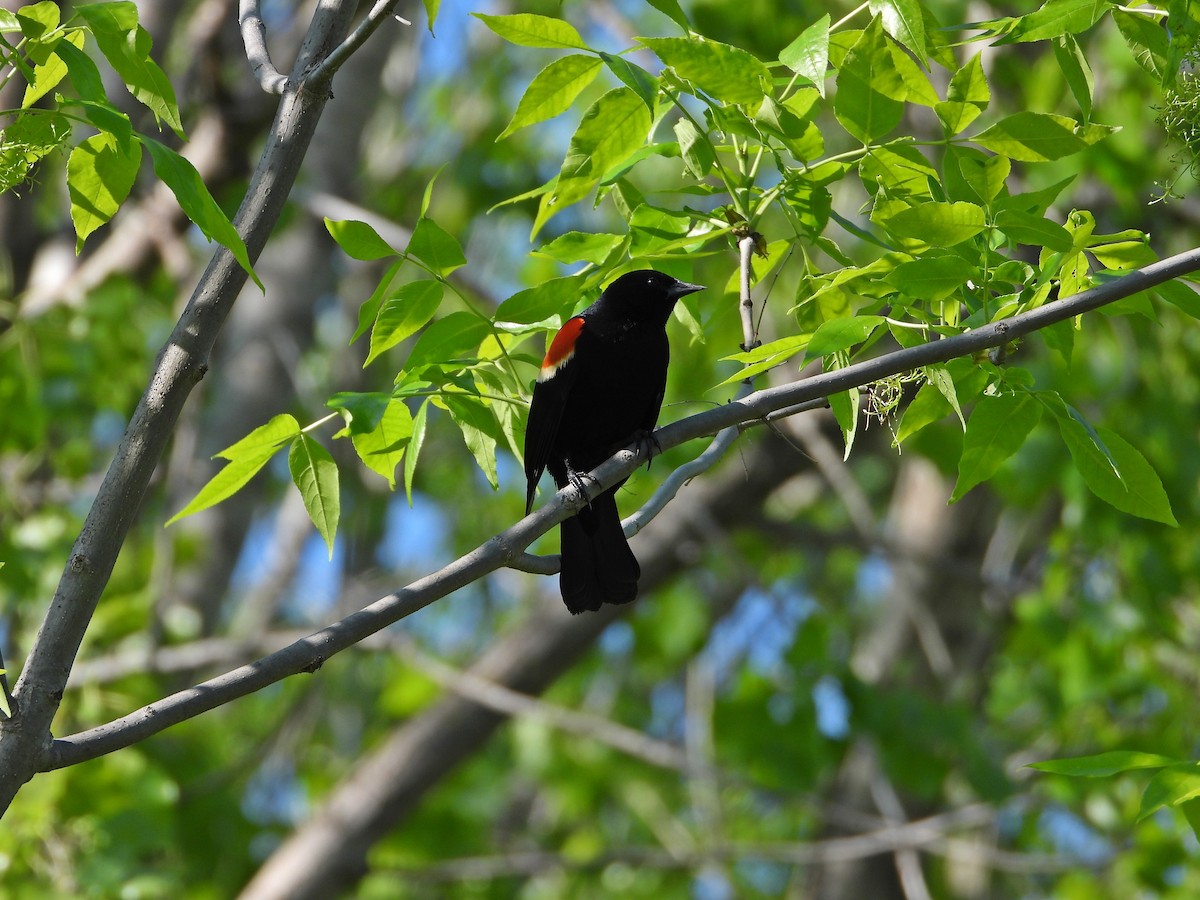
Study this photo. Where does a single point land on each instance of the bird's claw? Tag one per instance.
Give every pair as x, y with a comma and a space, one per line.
579, 480
647, 445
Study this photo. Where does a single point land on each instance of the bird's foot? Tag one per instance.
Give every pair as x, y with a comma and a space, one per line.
579, 480
647, 445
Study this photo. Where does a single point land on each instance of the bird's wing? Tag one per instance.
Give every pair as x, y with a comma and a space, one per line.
550, 395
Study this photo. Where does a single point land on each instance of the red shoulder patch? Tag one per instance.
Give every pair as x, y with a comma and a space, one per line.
562, 348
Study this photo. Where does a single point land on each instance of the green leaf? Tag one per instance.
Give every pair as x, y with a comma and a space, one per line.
316, 475
553, 90
436, 247
1033, 137
612, 128
1148, 42
361, 410
431, 12
31, 136
245, 457
382, 448
847, 410
938, 224
996, 430
943, 381
1113, 469
368, 312
985, 176
1170, 787
1078, 74
841, 334
448, 338
931, 277
188, 187
84, 75
476, 423
37, 19
765, 356
403, 314
358, 239
1103, 765
726, 73
653, 230
697, 152
904, 21
1180, 295
869, 87
672, 10
48, 74
528, 30
126, 46
107, 118
535, 304
808, 55
1027, 228
414, 448
99, 176
967, 96
578, 246
635, 78
1055, 18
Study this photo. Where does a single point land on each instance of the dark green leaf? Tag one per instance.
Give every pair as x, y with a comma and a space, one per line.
554, 297
996, 430
635, 78
1170, 787
447, 339
126, 46
1103, 765
197, 203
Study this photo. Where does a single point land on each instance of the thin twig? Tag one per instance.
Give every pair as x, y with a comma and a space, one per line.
321, 74
254, 38
308, 654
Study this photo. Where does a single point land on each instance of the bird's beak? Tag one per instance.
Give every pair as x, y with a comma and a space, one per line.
682, 289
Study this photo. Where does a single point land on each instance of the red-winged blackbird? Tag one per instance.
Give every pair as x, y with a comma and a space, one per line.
600, 388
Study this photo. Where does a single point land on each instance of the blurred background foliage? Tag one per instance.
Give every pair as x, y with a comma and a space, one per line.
827, 654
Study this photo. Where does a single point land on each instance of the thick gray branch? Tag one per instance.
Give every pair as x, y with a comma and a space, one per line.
308, 654
25, 739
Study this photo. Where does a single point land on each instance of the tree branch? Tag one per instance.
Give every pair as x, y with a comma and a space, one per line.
323, 73
25, 740
254, 37
308, 654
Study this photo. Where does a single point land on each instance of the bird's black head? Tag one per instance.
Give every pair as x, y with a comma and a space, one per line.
646, 294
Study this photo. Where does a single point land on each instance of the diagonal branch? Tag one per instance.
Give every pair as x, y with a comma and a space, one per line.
25, 739
321, 74
307, 654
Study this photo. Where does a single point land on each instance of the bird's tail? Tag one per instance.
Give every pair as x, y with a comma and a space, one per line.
597, 565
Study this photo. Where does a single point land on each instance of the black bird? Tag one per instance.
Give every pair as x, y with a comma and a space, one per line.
600, 388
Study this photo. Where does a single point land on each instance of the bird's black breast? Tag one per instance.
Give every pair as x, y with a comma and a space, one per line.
617, 391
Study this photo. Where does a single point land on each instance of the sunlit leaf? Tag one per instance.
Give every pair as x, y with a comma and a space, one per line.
553, 90
315, 474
